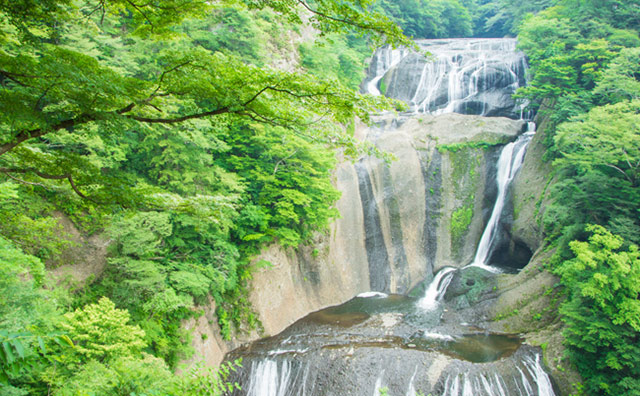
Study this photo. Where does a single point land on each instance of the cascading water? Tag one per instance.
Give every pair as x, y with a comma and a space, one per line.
405, 345
468, 76
383, 60
270, 378
436, 289
527, 378
511, 159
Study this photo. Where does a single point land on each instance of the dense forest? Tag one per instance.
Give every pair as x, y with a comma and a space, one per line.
191, 134
585, 64
167, 128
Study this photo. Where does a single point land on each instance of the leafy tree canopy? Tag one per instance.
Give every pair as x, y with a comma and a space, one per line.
75, 71
603, 312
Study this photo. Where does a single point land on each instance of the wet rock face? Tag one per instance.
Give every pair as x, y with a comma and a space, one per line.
378, 342
473, 76
394, 229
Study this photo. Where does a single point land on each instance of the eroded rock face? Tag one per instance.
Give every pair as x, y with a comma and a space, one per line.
404, 209
396, 219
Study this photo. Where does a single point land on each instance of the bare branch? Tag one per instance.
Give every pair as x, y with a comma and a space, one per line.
331, 18
11, 77
621, 171
26, 182
141, 12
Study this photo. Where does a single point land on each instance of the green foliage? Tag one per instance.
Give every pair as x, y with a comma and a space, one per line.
620, 80
126, 376
338, 58
94, 82
602, 312
598, 173
24, 222
569, 55
121, 376
499, 18
455, 147
584, 72
101, 332
430, 19
200, 381
287, 180
28, 316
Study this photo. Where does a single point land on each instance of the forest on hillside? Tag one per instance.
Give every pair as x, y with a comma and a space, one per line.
192, 134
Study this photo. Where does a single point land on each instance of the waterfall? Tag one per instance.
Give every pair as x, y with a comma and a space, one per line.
531, 381
436, 289
370, 344
378, 387
377, 254
472, 76
269, 378
541, 379
384, 59
412, 390
511, 159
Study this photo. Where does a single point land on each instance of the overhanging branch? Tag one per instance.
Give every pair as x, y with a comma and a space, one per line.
243, 109
47, 176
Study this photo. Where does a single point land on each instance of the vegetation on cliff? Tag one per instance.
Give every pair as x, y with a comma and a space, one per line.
584, 59
166, 127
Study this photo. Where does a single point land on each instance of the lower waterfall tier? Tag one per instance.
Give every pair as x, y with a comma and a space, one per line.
375, 343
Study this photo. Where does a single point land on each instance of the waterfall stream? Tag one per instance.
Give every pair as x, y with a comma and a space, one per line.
381, 343
510, 161
436, 289
469, 76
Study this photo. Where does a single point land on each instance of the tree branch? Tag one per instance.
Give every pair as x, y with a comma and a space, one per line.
135, 6
621, 171
84, 118
47, 176
179, 119
34, 133
26, 182
331, 18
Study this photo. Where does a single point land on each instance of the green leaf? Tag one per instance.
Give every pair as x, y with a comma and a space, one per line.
8, 352
66, 339
43, 348
19, 348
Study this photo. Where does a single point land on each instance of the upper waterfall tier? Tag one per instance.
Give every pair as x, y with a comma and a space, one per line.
467, 76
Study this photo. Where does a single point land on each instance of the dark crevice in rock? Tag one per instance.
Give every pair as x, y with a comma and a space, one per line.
432, 176
400, 263
377, 255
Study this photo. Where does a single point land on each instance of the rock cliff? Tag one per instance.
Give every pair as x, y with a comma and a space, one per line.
399, 222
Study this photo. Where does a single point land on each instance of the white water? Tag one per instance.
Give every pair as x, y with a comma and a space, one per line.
378, 386
510, 161
412, 390
285, 378
457, 72
532, 381
269, 378
436, 289
385, 59
540, 378
372, 294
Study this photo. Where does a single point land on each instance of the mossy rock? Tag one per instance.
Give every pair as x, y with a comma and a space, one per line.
469, 285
